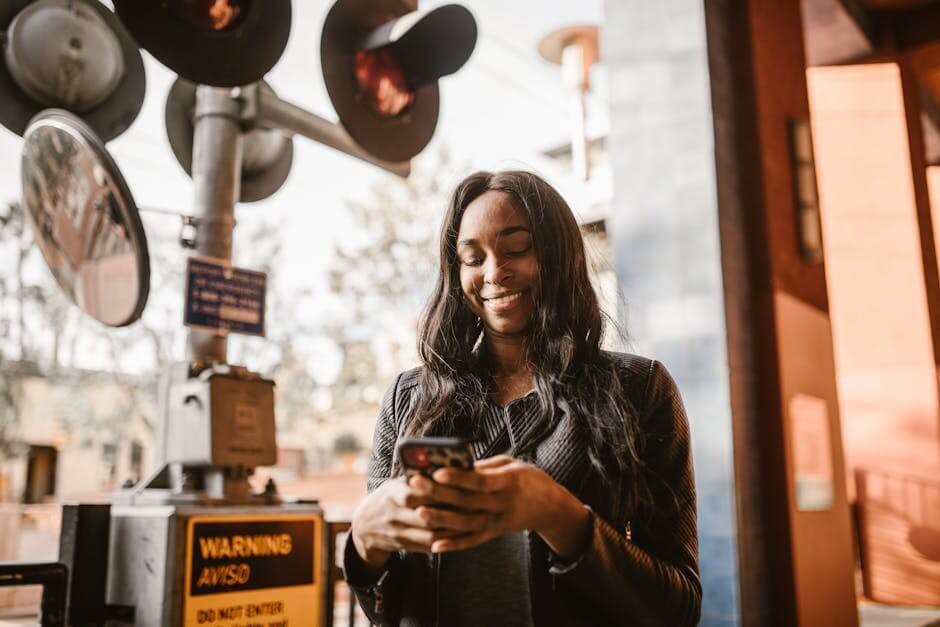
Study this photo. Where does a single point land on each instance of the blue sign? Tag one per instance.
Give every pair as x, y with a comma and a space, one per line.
222, 299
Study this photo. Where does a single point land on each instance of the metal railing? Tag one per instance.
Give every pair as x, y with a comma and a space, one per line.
915, 499
52, 576
898, 520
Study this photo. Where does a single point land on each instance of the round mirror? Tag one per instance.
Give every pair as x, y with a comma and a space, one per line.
84, 218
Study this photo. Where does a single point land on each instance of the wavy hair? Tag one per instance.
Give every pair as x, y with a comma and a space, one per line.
563, 340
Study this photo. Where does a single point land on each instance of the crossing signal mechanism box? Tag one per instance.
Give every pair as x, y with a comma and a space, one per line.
223, 417
224, 566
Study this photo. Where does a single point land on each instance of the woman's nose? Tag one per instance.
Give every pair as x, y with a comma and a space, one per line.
495, 271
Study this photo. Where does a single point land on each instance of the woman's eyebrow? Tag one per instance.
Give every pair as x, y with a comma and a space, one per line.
509, 230
512, 230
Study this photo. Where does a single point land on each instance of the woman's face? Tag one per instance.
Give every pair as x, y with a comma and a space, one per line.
498, 267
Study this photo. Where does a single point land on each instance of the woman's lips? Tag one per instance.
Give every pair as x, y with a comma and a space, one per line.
503, 303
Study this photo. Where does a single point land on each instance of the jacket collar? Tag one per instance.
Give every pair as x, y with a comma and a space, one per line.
561, 450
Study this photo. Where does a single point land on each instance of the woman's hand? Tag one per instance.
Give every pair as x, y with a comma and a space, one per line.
396, 516
512, 495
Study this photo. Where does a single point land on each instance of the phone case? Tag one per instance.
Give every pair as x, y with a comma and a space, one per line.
426, 455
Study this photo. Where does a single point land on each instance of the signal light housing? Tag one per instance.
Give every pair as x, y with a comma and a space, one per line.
92, 68
267, 154
381, 62
222, 43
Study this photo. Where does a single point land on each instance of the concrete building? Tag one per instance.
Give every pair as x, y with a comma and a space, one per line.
80, 434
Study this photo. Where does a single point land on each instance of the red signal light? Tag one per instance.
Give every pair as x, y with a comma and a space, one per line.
382, 82
211, 15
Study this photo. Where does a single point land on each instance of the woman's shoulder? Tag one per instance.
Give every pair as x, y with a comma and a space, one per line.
397, 403
398, 395
631, 366
408, 380
647, 381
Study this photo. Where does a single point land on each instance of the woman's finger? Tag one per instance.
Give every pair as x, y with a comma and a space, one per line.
467, 480
407, 517
420, 484
467, 541
466, 500
409, 538
414, 535
391, 544
493, 462
442, 519
406, 496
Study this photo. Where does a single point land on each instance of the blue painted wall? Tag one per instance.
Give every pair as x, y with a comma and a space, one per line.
664, 235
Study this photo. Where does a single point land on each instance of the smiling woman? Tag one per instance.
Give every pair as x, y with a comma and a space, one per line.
580, 508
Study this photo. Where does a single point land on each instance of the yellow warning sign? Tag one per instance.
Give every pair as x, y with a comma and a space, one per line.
253, 571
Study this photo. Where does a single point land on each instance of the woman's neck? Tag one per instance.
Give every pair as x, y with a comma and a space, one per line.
507, 354
512, 374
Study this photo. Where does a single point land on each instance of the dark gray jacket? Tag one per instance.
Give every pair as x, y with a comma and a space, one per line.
634, 572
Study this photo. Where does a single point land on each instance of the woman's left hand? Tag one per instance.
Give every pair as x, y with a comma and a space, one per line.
517, 496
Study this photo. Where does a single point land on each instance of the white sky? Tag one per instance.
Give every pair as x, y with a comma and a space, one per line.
499, 111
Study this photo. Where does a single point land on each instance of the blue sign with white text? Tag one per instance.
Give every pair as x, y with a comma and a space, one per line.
222, 299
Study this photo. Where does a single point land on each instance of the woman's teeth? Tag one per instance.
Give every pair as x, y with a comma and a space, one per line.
504, 300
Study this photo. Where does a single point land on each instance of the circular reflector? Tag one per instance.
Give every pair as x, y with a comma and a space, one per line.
84, 219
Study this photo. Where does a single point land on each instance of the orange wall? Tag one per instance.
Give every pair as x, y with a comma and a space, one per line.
887, 380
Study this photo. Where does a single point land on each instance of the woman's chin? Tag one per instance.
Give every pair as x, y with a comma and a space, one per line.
507, 328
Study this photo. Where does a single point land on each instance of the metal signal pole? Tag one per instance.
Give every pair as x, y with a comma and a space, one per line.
217, 170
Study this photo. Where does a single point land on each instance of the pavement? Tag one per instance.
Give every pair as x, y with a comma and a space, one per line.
877, 615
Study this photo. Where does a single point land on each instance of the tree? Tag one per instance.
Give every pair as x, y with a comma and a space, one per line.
384, 277
44, 335
27, 300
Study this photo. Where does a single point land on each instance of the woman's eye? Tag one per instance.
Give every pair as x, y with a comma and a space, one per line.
472, 261
518, 253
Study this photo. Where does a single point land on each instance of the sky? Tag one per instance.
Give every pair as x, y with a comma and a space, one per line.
500, 110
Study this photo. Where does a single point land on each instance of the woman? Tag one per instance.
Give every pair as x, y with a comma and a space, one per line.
580, 509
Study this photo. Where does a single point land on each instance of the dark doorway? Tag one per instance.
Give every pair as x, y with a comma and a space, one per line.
40, 474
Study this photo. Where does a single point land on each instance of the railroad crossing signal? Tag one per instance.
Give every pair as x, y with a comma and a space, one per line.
222, 43
381, 62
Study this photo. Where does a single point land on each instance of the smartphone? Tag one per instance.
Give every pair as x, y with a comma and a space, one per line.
426, 455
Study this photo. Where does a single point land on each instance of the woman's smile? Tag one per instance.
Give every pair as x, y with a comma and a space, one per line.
504, 302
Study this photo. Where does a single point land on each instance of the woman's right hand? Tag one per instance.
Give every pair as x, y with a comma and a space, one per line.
400, 515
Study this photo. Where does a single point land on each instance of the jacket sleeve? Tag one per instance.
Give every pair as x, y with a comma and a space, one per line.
653, 579
379, 596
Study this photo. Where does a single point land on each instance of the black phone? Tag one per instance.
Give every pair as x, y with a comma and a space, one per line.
426, 455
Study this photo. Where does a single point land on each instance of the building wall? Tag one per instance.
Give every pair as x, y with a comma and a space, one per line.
664, 232
80, 421
874, 270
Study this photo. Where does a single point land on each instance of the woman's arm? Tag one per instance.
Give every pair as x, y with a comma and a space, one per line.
378, 593
653, 579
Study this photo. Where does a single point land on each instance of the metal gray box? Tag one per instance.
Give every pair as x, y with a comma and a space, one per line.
148, 556
221, 421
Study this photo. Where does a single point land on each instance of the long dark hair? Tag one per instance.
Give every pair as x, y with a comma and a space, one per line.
570, 370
